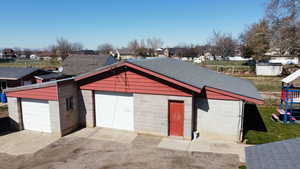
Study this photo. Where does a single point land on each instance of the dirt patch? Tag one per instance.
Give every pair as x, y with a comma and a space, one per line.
80, 153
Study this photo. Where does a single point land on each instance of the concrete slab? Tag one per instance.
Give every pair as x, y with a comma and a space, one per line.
174, 144
83, 133
24, 142
202, 145
119, 136
143, 141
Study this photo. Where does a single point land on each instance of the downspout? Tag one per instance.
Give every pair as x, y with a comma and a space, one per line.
242, 121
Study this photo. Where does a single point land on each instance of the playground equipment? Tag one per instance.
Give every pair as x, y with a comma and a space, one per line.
290, 99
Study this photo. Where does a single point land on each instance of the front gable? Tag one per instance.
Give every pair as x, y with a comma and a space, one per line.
43, 93
129, 80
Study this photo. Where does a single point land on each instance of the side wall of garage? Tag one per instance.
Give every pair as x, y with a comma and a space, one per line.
86, 108
219, 119
151, 113
15, 113
69, 118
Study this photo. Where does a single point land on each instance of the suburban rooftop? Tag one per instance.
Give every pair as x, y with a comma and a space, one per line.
15, 73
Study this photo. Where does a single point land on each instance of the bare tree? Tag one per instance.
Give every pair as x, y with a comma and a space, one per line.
62, 47
223, 44
77, 46
154, 43
105, 48
133, 45
283, 17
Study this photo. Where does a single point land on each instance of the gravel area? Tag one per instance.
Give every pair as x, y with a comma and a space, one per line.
83, 153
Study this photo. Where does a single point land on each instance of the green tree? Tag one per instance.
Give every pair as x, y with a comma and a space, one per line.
256, 40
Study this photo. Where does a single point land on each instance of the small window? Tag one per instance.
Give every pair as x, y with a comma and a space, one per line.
69, 103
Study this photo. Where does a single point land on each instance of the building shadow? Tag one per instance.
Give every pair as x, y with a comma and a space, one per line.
5, 127
253, 119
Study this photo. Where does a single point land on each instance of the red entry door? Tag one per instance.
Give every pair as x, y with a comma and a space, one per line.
176, 116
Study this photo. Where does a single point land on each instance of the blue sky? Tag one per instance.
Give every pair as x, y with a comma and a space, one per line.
38, 23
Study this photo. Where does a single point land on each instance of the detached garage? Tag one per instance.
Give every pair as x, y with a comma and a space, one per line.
50, 107
165, 97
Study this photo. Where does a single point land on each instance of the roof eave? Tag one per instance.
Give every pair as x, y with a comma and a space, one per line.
235, 95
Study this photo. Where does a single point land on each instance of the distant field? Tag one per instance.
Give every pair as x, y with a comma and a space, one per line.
225, 63
266, 84
242, 70
51, 64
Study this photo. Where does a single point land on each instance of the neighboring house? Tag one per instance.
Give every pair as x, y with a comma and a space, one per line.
34, 57
285, 60
163, 96
268, 69
49, 77
84, 52
161, 52
276, 155
79, 64
13, 77
41, 56
8, 53
125, 53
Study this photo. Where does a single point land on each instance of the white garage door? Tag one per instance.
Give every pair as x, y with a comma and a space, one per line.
36, 115
114, 110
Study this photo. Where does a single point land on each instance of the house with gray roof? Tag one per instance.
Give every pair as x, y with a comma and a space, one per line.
159, 96
77, 64
15, 76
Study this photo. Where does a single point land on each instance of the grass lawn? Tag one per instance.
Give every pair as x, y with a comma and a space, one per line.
263, 84
275, 131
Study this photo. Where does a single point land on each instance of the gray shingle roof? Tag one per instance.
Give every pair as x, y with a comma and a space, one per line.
198, 76
277, 155
50, 76
79, 64
14, 73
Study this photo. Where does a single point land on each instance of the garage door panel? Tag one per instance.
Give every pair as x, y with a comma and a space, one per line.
114, 110
124, 111
36, 115
102, 102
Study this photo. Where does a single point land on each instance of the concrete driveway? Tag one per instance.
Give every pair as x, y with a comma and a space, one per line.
85, 153
200, 145
25, 142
